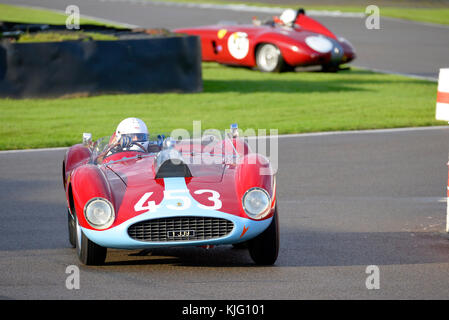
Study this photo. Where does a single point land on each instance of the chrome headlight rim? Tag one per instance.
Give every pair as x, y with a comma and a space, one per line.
263, 212
111, 219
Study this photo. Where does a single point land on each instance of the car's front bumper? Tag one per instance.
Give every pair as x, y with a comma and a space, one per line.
118, 236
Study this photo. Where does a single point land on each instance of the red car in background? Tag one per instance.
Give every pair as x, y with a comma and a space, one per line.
281, 44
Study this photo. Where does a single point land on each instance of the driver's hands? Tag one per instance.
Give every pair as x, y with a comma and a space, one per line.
256, 21
125, 142
160, 139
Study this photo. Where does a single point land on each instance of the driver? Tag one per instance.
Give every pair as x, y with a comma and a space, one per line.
288, 17
132, 134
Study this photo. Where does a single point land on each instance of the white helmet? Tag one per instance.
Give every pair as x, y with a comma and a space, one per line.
136, 130
288, 16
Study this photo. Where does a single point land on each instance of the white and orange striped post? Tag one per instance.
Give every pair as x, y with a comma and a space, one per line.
442, 113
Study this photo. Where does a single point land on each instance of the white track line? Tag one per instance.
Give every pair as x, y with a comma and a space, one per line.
408, 75
33, 150
240, 8
370, 131
283, 136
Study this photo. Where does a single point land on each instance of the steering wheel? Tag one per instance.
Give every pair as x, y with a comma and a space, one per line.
139, 145
126, 142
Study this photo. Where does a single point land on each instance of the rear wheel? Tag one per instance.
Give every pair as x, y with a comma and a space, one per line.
269, 58
88, 252
265, 247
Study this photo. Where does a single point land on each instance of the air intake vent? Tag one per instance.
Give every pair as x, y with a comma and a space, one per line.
180, 229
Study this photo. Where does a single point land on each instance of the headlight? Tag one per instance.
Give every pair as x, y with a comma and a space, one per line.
320, 44
99, 213
256, 203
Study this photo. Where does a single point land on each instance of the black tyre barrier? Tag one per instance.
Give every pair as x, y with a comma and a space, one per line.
67, 68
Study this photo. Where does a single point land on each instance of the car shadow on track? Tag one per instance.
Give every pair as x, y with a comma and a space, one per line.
302, 248
222, 256
319, 248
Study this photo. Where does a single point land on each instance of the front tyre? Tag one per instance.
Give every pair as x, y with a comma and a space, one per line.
331, 68
269, 58
89, 253
264, 248
72, 229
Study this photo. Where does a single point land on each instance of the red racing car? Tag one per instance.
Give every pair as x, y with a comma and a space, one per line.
129, 192
281, 44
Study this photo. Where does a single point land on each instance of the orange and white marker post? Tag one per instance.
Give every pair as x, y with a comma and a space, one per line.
442, 113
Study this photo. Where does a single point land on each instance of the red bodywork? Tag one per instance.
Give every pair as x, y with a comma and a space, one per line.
124, 177
290, 42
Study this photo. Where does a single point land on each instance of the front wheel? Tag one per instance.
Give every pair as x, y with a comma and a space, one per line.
331, 68
89, 253
269, 58
265, 247
72, 229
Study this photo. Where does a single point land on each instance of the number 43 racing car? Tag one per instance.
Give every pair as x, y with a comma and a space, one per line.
125, 195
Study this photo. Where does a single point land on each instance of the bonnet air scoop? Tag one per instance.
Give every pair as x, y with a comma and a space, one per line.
170, 164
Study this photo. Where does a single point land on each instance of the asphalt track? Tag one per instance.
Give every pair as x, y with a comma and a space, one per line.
398, 46
347, 201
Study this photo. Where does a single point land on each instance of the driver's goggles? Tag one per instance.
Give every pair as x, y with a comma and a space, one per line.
137, 136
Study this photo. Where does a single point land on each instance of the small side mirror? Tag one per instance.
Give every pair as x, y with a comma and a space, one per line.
234, 130
87, 139
169, 143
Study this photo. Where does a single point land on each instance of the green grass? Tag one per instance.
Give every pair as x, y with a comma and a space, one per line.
29, 15
289, 102
64, 36
433, 15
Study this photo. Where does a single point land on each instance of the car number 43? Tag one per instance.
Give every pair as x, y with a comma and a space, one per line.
178, 200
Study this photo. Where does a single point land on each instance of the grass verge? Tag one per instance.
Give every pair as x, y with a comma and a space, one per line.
289, 102
31, 15
433, 15
64, 36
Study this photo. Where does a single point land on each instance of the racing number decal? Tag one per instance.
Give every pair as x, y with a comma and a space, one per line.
215, 199
238, 45
150, 205
182, 202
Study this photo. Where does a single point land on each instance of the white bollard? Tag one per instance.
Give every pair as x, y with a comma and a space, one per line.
447, 207
442, 113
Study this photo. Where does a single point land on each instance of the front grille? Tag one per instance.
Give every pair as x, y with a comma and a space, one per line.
180, 229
